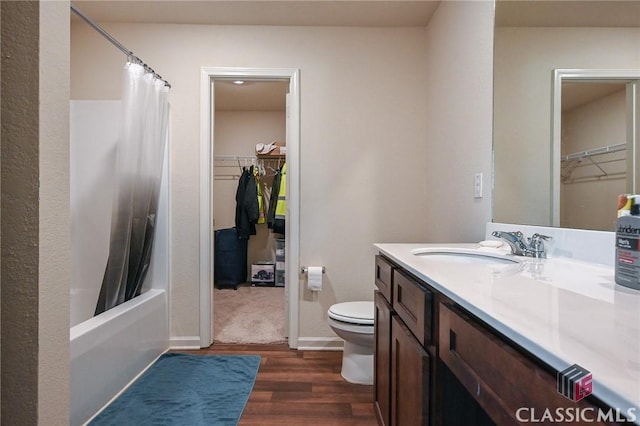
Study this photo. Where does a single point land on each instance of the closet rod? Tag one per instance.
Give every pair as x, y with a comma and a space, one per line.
130, 55
234, 157
596, 151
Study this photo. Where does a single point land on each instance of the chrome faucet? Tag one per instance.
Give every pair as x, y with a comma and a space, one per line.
532, 247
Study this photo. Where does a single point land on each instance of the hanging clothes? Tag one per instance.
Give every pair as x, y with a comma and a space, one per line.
247, 210
261, 214
281, 204
275, 190
266, 198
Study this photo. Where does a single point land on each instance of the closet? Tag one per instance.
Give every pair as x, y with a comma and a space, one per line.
256, 230
249, 143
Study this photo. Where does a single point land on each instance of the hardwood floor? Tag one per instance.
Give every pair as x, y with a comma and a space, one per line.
301, 388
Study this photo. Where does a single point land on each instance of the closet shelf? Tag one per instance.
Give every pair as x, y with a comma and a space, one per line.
226, 167
571, 162
248, 157
233, 157
596, 151
271, 157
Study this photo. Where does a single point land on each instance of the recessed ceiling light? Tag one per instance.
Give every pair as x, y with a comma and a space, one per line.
238, 82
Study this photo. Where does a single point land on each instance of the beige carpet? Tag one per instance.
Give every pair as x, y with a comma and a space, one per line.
249, 315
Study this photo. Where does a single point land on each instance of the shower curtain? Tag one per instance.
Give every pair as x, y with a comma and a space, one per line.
140, 152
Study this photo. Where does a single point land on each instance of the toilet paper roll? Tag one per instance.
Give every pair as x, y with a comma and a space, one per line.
314, 278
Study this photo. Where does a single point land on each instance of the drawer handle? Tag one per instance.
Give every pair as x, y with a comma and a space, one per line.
452, 340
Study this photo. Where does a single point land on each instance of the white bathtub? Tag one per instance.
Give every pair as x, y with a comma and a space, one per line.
110, 350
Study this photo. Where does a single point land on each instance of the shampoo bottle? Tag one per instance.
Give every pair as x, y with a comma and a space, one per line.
628, 247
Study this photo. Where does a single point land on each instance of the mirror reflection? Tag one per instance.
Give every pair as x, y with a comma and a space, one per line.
592, 153
532, 40
594, 135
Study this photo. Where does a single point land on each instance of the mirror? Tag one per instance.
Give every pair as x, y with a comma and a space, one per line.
593, 145
533, 39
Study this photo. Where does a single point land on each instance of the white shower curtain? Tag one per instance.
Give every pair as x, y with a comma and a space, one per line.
140, 152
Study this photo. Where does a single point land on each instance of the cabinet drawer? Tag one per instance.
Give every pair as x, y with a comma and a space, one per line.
500, 378
384, 277
413, 303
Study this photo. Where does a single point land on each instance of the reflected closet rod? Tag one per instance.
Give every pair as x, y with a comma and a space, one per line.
130, 55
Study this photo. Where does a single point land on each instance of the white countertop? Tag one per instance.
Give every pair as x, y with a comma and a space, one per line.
562, 311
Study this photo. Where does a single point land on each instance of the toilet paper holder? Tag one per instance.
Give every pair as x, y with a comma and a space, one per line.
303, 270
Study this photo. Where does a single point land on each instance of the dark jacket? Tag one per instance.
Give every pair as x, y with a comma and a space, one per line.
247, 210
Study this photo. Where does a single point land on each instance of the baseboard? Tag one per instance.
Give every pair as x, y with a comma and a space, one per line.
320, 344
304, 343
185, 342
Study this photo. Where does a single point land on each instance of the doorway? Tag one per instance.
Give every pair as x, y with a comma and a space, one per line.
248, 297
209, 76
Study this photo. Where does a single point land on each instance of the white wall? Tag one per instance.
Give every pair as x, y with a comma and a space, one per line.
363, 133
384, 156
459, 49
591, 203
525, 59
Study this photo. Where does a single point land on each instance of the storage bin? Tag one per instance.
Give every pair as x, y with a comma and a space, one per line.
263, 273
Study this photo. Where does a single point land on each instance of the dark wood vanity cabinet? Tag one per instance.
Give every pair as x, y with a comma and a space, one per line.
402, 329
437, 364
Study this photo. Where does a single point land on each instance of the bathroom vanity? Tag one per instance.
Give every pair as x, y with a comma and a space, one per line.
480, 339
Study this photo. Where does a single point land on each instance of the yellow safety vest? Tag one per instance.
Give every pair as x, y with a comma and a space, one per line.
281, 204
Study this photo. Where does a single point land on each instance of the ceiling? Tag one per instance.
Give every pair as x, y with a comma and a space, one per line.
568, 13
383, 13
250, 96
575, 94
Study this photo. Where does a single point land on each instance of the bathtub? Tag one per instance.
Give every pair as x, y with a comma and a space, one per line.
108, 351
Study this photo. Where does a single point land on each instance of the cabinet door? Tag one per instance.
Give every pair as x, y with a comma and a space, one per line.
410, 374
382, 359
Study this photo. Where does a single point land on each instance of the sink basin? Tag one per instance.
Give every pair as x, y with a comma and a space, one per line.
460, 255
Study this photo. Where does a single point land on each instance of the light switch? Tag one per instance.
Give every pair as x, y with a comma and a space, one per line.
477, 185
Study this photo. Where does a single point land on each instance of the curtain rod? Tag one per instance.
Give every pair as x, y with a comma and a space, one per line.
130, 55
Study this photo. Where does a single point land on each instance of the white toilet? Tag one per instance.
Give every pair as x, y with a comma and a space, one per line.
353, 322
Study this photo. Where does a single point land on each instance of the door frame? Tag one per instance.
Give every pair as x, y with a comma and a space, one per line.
292, 244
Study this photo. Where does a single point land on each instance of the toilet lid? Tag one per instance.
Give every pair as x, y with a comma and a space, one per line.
353, 312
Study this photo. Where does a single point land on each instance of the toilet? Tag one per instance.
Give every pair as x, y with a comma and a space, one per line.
353, 322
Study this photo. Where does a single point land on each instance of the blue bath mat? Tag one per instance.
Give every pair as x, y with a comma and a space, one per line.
182, 389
